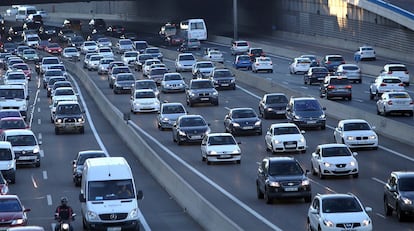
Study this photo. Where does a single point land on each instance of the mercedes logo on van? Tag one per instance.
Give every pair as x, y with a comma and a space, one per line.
113, 216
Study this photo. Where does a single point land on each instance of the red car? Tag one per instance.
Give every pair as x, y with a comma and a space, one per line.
53, 48
174, 40
4, 186
12, 123
25, 68
12, 212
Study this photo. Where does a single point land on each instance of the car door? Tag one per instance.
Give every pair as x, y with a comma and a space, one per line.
338, 133
262, 172
314, 217
316, 157
380, 103
268, 137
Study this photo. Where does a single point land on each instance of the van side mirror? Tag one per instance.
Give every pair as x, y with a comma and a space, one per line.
82, 199
140, 195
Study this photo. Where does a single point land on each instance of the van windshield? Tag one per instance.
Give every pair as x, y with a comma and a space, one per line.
110, 190
5, 154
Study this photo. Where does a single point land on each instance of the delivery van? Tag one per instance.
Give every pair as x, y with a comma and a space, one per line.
108, 196
23, 12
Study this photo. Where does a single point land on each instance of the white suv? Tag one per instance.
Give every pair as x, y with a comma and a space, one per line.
7, 161
334, 160
25, 146
384, 83
398, 70
338, 212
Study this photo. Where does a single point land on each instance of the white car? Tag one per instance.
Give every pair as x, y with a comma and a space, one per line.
64, 93
330, 212
384, 83
285, 137
103, 65
123, 45
202, 69
366, 52
217, 147
262, 64
173, 82
356, 133
300, 65
106, 52
104, 42
71, 53
214, 55
88, 47
129, 57
147, 64
351, 71
399, 70
239, 47
395, 102
184, 62
144, 100
93, 62
334, 160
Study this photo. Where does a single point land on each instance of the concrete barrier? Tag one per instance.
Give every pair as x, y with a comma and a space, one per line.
201, 210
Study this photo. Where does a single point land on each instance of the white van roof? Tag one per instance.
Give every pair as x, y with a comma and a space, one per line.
107, 168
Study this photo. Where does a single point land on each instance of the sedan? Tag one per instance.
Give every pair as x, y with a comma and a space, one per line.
214, 55
79, 160
184, 62
71, 53
273, 105
89, 46
315, 75
218, 147
12, 212
173, 82
242, 120
53, 48
356, 133
299, 65
351, 71
144, 100
334, 160
395, 102
190, 128
169, 114
262, 64
202, 69
285, 137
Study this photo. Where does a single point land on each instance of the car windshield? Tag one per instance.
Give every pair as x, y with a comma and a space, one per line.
68, 109
158, 71
125, 78
106, 61
307, 105
110, 190
401, 95
22, 140
272, 99
10, 205
285, 169
54, 73
125, 42
5, 154
152, 51
96, 58
12, 124
172, 77
201, 85
406, 184
335, 59
186, 57
243, 114
131, 54
145, 85
176, 109
50, 61
12, 93
192, 122
336, 151
87, 44
285, 131
224, 73
205, 65
29, 52
144, 95
356, 126
242, 44
64, 92
221, 140
71, 50
341, 205
84, 157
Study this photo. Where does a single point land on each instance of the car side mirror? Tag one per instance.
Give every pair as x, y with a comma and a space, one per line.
140, 195
239, 142
302, 131
355, 153
73, 162
40, 142
373, 127
307, 171
368, 209
313, 211
208, 124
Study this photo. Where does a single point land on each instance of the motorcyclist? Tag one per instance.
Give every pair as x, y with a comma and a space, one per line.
64, 213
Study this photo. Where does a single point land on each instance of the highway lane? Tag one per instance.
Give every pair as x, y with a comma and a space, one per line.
239, 180
41, 188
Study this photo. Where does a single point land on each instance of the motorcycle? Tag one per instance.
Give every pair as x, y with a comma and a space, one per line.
64, 225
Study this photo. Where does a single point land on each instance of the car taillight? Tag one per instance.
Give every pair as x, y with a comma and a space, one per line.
383, 84
331, 87
401, 84
389, 72
389, 102
348, 86
257, 64
411, 102
328, 62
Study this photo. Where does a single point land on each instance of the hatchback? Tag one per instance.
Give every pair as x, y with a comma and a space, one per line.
218, 147
395, 102
350, 71
331, 62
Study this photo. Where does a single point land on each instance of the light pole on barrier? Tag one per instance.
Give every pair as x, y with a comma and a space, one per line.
235, 21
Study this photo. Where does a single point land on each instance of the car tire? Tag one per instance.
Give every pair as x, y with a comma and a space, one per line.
271, 71
387, 208
308, 199
355, 175
203, 158
267, 147
37, 165
179, 142
378, 112
350, 98
323, 127
272, 149
371, 96
385, 112
320, 174
267, 198
208, 162
400, 214
190, 103
259, 193
57, 131
82, 130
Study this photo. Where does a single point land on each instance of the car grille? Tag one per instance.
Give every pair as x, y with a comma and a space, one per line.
19, 153
69, 120
290, 144
348, 226
113, 216
223, 81
361, 138
290, 183
204, 94
10, 107
340, 165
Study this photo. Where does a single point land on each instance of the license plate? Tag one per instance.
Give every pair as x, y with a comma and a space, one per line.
195, 137
290, 146
225, 84
321, 78
291, 189
225, 156
311, 122
26, 157
280, 112
248, 127
113, 229
204, 99
126, 88
341, 170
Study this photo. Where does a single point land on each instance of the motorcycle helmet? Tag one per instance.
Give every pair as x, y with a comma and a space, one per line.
64, 200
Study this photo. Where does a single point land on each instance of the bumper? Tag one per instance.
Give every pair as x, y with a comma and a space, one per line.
125, 225
339, 172
173, 89
28, 159
166, 124
184, 68
223, 157
193, 138
289, 146
362, 143
69, 126
225, 85
247, 129
340, 94
206, 99
122, 89
146, 108
309, 123
289, 192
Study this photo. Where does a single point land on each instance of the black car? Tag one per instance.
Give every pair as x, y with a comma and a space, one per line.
282, 177
315, 75
80, 159
273, 105
223, 78
97, 25
306, 112
76, 41
242, 120
190, 128
115, 31
10, 47
399, 194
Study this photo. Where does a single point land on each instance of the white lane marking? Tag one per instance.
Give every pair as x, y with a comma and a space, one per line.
206, 179
227, 108
101, 144
38, 109
42, 153
379, 181
49, 199
34, 182
249, 93
44, 175
36, 99
39, 121
39, 136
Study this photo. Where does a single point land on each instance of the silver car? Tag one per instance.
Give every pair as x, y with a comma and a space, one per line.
173, 82
351, 71
169, 113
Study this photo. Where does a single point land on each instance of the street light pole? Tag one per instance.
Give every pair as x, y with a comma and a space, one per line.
235, 23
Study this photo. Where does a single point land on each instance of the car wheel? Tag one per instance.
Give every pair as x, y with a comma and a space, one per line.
320, 174
203, 158
238, 161
410, 113
179, 142
267, 198
208, 162
267, 146
378, 112
308, 225
190, 103
371, 96
56, 131
259, 193
313, 172
355, 175
385, 112
400, 214
37, 164
82, 130
308, 199
323, 127
387, 208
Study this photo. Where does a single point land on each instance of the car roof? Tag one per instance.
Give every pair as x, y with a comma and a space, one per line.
14, 132
86, 152
8, 196
68, 102
144, 90
394, 65
335, 195
283, 125
171, 104
280, 158
353, 121
11, 118
241, 108
191, 116
302, 98
403, 174
219, 134
332, 145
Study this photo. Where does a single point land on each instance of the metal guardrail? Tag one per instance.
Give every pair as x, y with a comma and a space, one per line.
394, 8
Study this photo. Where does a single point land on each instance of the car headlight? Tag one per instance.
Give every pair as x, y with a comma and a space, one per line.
305, 182
323, 116
236, 151
296, 117
18, 221
181, 133
236, 125
258, 123
80, 119
274, 184
326, 164
133, 213
328, 223
92, 215
215, 93
191, 94
36, 150
302, 140
59, 120
212, 152
372, 137
350, 138
366, 222
406, 201
165, 119
352, 163
276, 141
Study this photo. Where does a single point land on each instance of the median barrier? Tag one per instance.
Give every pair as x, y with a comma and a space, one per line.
201, 210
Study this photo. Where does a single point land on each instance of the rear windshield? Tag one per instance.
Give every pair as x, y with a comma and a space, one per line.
398, 68
335, 59
242, 44
350, 68
391, 81
335, 81
399, 95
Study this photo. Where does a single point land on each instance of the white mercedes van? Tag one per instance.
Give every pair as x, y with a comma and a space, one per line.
7, 161
108, 197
